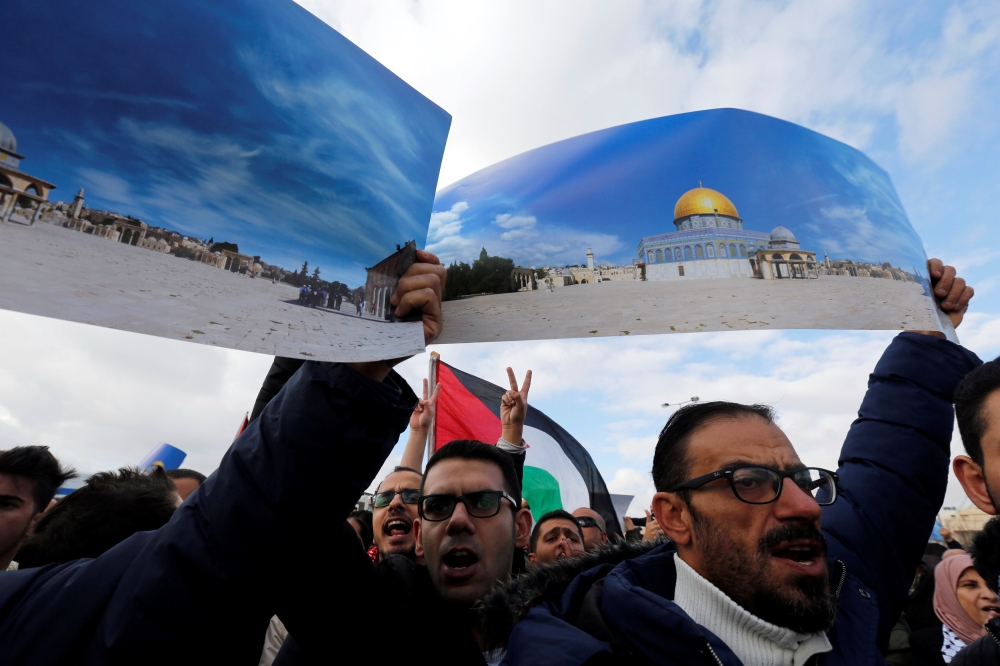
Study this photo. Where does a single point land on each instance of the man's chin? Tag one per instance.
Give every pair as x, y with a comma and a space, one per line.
408, 550
800, 603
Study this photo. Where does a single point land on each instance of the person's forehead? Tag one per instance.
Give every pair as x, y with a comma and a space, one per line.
991, 415
15, 485
589, 513
970, 574
456, 476
400, 480
749, 439
559, 524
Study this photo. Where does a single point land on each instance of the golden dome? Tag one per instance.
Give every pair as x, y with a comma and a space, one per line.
703, 201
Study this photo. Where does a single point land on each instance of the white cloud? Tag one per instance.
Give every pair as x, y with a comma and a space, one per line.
845, 68
444, 235
509, 221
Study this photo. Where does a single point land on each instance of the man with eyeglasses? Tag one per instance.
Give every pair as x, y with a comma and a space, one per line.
394, 509
769, 561
594, 529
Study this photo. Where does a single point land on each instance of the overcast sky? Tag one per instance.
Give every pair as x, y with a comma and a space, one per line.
912, 84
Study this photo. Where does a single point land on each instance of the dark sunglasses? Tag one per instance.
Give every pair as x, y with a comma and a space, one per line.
408, 495
586, 521
481, 504
762, 485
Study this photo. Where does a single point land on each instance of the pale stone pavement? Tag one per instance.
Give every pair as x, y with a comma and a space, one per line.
681, 306
55, 272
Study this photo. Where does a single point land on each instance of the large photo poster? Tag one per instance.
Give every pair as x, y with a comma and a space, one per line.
233, 173
708, 221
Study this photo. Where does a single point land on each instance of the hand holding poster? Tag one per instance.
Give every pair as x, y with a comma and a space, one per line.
708, 221
232, 173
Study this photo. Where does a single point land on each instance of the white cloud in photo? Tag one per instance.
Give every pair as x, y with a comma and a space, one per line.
444, 235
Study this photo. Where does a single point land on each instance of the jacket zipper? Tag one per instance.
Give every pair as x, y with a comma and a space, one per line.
815, 660
843, 577
712, 652
992, 634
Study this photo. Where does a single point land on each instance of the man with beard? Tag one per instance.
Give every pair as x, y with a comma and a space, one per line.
394, 508
769, 561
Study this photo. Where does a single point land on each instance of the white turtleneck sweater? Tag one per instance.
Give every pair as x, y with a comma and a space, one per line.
754, 641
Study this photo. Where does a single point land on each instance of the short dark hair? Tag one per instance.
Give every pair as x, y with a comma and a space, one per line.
985, 552
40, 467
186, 474
111, 507
470, 449
670, 464
397, 468
366, 527
970, 399
552, 515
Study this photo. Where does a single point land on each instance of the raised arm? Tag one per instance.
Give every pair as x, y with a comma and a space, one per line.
254, 540
420, 428
513, 412
894, 462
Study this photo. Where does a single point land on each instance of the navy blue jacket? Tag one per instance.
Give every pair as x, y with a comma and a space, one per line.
893, 474
248, 544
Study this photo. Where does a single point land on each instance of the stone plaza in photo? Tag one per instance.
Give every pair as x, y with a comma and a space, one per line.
58, 272
674, 306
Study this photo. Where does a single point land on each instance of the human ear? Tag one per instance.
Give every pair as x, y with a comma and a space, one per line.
417, 537
531, 558
673, 517
522, 528
973, 481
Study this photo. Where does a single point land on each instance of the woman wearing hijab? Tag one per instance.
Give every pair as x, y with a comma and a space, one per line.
963, 603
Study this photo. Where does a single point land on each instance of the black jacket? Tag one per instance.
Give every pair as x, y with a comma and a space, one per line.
253, 541
983, 652
893, 474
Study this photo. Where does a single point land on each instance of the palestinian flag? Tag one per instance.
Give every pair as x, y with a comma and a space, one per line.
558, 471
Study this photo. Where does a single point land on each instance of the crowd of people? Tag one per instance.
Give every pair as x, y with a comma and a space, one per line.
746, 555
314, 297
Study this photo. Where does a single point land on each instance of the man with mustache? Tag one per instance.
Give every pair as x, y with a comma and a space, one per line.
769, 561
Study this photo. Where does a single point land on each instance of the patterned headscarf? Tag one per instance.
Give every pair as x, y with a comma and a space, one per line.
946, 604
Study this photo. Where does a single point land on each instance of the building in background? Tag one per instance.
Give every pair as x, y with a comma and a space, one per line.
383, 278
709, 241
783, 258
21, 194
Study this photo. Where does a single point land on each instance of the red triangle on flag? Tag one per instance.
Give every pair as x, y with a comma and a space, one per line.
461, 415
243, 426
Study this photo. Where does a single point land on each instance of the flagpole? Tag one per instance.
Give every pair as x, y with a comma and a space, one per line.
431, 383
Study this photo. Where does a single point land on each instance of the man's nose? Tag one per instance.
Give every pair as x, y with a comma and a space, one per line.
796, 504
460, 521
397, 501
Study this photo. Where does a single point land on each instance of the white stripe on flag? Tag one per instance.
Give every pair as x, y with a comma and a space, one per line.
545, 452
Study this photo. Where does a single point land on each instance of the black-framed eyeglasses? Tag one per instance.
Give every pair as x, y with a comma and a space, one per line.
384, 498
480, 504
586, 521
762, 485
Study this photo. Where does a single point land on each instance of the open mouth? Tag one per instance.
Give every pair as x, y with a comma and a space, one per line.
993, 609
460, 559
803, 554
397, 527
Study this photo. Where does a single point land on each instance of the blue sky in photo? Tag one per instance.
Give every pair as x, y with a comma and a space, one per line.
608, 189
249, 121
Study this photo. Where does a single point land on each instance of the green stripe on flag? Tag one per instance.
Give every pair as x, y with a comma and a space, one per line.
541, 489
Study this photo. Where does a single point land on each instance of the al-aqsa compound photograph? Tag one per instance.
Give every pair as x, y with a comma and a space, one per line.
257, 185
708, 221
